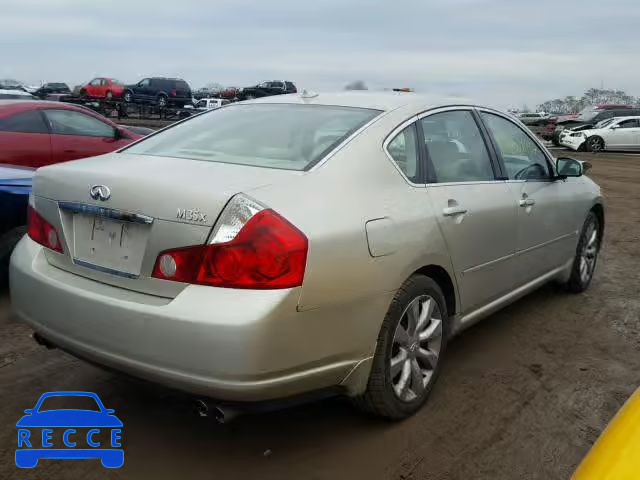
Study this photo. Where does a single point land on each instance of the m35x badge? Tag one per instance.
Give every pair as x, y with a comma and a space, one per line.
191, 215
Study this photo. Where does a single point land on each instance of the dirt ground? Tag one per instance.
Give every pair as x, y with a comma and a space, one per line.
522, 395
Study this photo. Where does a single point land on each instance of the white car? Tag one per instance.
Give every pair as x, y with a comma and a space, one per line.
581, 128
622, 133
210, 103
15, 95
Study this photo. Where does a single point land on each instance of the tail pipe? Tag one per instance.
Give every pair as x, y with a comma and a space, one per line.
219, 413
42, 341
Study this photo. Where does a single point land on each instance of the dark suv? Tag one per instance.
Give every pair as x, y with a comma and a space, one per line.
593, 115
266, 89
52, 88
161, 91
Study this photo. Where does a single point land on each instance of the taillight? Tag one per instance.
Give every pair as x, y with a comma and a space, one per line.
41, 231
252, 247
173, 92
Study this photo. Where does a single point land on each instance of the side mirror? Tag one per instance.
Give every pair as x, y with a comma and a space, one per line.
570, 167
119, 134
109, 411
29, 411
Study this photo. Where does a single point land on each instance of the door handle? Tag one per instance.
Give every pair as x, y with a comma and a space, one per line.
527, 202
453, 211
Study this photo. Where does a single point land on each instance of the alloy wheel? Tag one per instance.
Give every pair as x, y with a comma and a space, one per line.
415, 349
595, 145
589, 252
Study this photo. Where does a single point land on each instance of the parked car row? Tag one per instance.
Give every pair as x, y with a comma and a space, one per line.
590, 116
160, 91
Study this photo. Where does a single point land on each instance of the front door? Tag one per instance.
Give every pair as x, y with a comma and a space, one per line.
475, 210
546, 215
623, 135
77, 135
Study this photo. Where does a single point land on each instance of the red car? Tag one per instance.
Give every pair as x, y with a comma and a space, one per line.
102, 88
38, 133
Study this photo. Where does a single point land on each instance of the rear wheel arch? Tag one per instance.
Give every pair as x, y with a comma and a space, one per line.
444, 281
598, 209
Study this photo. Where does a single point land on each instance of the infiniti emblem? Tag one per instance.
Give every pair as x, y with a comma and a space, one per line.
100, 192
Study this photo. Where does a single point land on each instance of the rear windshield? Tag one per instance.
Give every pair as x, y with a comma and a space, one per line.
285, 136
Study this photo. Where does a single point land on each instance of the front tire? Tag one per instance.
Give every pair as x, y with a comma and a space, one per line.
409, 350
162, 101
109, 95
127, 96
595, 144
584, 263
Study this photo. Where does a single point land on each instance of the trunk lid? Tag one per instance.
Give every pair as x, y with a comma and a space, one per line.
154, 204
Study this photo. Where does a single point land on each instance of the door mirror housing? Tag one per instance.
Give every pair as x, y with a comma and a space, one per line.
570, 167
119, 133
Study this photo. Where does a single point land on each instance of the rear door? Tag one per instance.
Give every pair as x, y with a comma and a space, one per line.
622, 135
546, 208
25, 139
475, 208
78, 135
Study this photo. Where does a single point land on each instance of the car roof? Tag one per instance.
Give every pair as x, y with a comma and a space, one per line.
385, 101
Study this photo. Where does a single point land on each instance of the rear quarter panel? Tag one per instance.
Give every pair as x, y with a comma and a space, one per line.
332, 204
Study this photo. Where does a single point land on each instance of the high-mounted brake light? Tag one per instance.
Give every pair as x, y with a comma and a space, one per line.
251, 247
41, 231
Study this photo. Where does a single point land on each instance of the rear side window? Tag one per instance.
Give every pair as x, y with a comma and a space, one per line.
455, 147
182, 85
68, 122
286, 136
629, 123
24, 122
404, 151
522, 157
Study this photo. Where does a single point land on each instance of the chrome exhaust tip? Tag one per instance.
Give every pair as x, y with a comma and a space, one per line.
220, 414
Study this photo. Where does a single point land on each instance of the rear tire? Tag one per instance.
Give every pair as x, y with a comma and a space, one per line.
584, 263
7, 242
402, 354
109, 95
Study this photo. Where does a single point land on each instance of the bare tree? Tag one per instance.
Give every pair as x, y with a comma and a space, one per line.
357, 85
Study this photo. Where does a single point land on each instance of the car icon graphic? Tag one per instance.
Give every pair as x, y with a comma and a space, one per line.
68, 420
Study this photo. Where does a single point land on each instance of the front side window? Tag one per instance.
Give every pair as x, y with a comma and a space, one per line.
522, 157
628, 124
403, 149
24, 122
291, 137
95, 82
455, 147
68, 122
144, 83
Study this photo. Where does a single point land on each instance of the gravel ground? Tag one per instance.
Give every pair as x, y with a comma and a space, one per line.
522, 395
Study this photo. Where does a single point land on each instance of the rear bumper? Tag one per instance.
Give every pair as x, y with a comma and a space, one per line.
235, 345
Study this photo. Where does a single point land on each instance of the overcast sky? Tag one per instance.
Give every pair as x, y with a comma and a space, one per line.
499, 52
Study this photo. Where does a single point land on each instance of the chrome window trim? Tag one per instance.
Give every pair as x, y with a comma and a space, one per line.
390, 138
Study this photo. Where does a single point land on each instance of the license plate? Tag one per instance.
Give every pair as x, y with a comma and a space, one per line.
111, 244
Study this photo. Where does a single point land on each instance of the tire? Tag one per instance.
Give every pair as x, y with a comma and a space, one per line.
127, 96
595, 144
83, 94
7, 242
384, 396
586, 255
162, 101
109, 95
